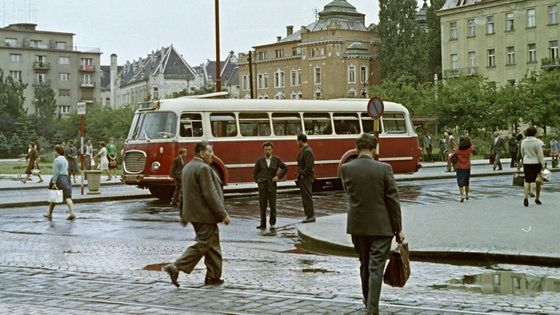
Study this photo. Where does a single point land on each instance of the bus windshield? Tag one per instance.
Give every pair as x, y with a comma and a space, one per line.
156, 125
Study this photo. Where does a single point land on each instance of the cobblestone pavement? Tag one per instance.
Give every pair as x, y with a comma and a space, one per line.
96, 265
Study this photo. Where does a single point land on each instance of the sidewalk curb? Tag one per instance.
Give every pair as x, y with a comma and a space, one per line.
86, 199
44, 186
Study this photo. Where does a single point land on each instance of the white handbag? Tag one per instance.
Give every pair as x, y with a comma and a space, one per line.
55, 196
546, 174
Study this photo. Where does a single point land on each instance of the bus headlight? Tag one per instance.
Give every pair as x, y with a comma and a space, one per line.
160, 150
155, 165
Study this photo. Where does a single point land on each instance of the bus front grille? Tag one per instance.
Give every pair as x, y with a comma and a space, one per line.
134, 162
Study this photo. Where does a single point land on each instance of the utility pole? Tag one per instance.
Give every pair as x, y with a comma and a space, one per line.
217, 14
250, 60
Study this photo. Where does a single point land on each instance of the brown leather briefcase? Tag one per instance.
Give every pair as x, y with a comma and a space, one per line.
398, 269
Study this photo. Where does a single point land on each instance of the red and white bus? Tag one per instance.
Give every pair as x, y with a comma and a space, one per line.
237, 128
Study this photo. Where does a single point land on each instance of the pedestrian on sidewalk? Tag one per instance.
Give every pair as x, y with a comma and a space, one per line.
463, 165
533, 164
103, 160
71, 154
176, 172
449, 147
203, 206
32, 164
496, 147
60, 180
374, 216
305, 177
427, 143
112, 158
442, 142
554, 152
266, 175
513, 147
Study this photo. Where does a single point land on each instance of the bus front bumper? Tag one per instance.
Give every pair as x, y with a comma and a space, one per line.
142, 180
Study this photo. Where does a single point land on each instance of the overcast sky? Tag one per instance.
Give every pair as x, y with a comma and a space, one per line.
133, 28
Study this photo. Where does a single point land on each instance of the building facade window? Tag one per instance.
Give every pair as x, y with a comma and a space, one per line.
261, 55
452, 30
296, 51
509, 22
472, 62
363, 74
62, 60
454, 62
490, 24
317, 76
60, 45
491, 58
553, 14
317, 52
41, 78
16, 75
10, 42
16, 58
553, 50
317, 94
64, 109
510, 55
532, 53
531, 18
262, 81
86, 79
279, 53
471, 28
155, 91
64, 93
296, 77
35, 43
351, 74
245, 83
279, 79
64, 76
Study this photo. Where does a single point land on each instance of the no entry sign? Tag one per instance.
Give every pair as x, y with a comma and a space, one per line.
375, 107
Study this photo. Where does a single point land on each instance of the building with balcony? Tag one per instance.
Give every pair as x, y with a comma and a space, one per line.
157, 76
44, 57
501, 40
332, 57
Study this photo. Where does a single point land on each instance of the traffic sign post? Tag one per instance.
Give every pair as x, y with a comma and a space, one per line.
375, 109
81, 108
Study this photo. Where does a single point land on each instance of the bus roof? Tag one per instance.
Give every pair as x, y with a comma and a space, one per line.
264, 105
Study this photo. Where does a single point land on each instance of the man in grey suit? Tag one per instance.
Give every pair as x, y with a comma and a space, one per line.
266, 175
203, 206
305, 177
496, 148
374, 215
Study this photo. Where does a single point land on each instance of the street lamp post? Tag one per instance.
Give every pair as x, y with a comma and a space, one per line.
217, 15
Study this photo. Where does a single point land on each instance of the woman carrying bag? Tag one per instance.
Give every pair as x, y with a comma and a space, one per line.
60, 180
32, 164
533, 164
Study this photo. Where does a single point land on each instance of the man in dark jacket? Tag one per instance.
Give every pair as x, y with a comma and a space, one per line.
176, 172
496, 147
305, 177
203, 206
374, 215
266, 175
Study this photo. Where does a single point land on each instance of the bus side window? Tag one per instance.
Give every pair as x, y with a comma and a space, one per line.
286, 124
191, 125
346, 124
317, 123
254, 124
367, 124
223, 125
394, 123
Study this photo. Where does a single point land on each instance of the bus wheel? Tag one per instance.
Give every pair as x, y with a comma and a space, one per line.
163, 193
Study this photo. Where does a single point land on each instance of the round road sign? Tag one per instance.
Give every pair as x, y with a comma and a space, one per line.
375, 107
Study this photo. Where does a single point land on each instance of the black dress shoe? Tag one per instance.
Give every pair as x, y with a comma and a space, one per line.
260, 227
173, 272
537, 201
213, 281
308, 220
525, 202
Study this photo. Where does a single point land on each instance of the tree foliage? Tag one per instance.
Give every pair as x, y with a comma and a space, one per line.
11, 103
44, 102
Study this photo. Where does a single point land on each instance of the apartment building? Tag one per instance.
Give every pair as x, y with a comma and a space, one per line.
501, 40
50, 58
332, 57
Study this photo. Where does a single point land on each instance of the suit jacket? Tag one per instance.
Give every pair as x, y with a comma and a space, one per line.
305, 163
497, 146
203, 198
176, 170
264, 174
374, 207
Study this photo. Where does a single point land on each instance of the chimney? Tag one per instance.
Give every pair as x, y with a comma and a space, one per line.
278, 38
303, 28
289, 30
113, 82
